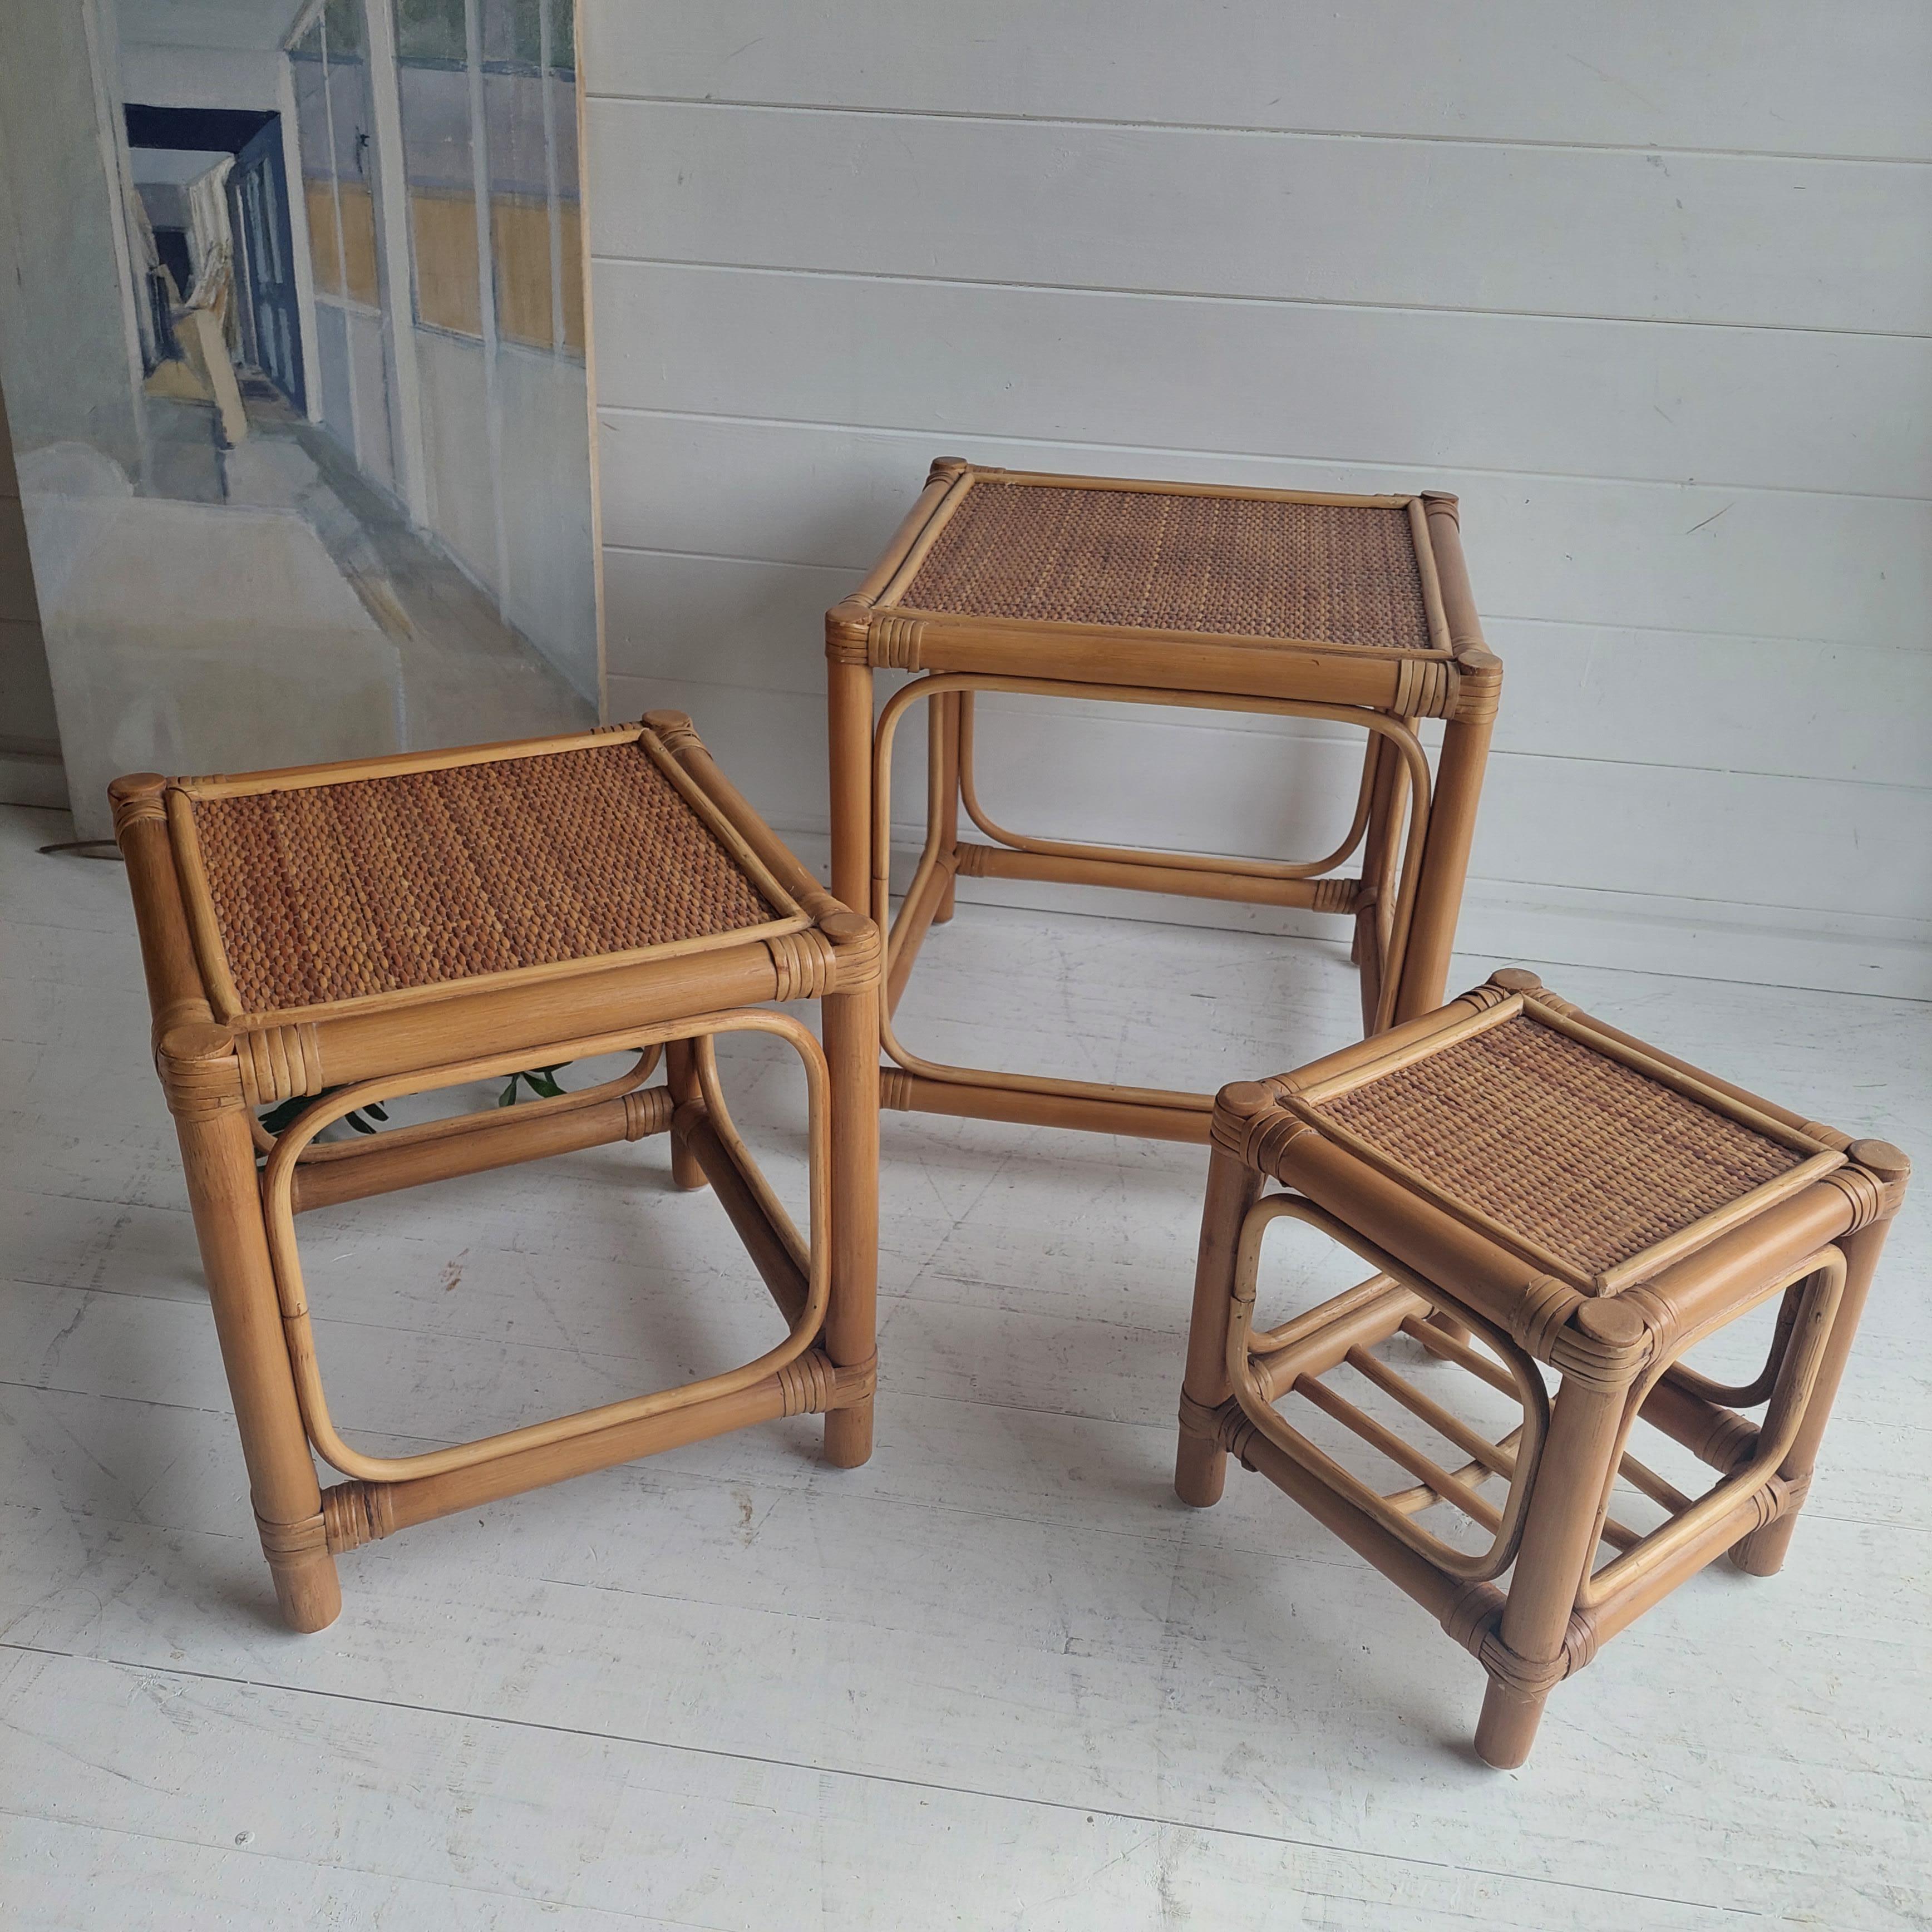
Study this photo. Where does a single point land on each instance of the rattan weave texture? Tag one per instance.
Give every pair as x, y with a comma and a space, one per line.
1250, 567
330, 892
1589, 1158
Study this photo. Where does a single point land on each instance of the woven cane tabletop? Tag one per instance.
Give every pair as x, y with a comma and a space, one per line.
333, 892
1236, 566
1587, 1157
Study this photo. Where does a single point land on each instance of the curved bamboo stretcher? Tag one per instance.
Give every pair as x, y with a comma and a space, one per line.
811, 1257
1632, 1207
1295, 885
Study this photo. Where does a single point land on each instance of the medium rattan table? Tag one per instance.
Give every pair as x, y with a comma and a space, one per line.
1531, 1186
1352, 609
351, 933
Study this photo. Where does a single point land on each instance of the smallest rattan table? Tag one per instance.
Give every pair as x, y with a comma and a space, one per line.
348, 934
1531, 1187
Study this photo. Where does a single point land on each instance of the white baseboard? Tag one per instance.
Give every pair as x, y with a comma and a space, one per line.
33, 778
1539, 926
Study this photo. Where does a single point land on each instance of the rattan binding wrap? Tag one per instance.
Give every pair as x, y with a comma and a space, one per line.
1585, 1156
1328, 573
333, 892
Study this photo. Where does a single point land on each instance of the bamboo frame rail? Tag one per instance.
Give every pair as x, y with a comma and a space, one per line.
471, 1143
1413, 831
1478, 1293
728, 918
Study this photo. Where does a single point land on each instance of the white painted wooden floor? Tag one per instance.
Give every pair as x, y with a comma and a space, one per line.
999, 1678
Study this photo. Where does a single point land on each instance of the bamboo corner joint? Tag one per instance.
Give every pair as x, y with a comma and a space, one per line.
666, 914
1354, 610
1647, 1249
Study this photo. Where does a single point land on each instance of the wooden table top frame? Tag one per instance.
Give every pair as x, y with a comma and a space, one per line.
668, 1004
1476, 1292
1413, 831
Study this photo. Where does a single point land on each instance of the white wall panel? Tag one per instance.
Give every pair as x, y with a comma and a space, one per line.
1769, 408
1783, 77
1776, 706
1798, 244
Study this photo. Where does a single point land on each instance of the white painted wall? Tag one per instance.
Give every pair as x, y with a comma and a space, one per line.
544, 485
545, 586
1650, 286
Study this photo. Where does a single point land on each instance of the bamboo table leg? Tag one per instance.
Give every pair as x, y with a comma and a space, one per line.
852, 1053
946, 720
681, 1076
1200, 1463
203, 1080
1762, 1552
1445, 864
1459, 778
1559, 1532
849, 729
1374, 920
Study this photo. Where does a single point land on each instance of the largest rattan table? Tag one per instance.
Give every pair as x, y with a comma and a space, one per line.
1355, 610
342, 934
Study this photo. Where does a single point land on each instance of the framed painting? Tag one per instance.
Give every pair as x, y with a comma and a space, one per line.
293, 340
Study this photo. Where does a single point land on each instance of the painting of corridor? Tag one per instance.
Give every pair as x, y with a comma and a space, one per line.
294, 356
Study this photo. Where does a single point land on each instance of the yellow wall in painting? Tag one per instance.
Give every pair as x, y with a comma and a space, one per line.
443, 225
358, 242
520, 237
358, 251
320, 197
447, 295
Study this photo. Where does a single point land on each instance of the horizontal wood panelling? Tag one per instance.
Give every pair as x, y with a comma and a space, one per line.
1871, 952
1754, 407
1749, 564
1686, 833
1712, 239
1575, 691
1647, 290
1777, 76
1782, 706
